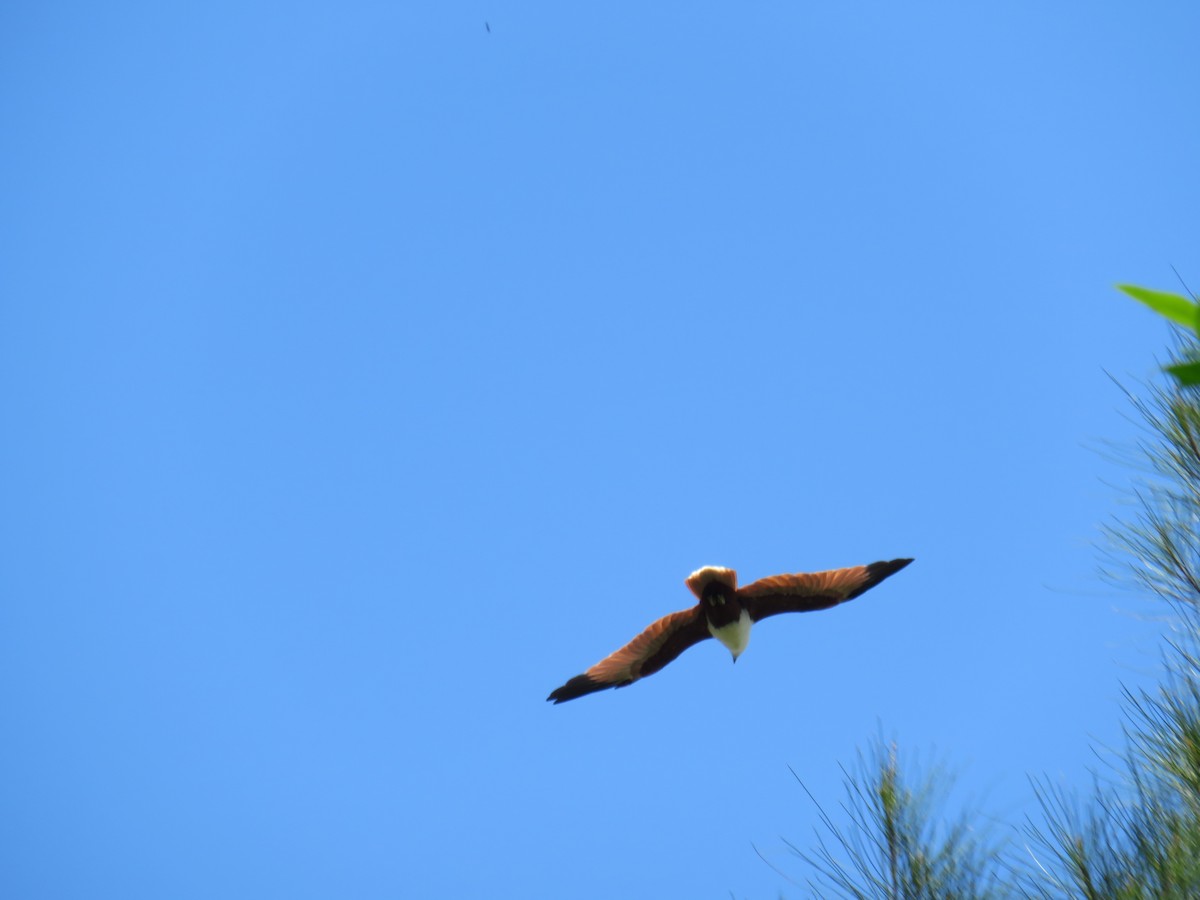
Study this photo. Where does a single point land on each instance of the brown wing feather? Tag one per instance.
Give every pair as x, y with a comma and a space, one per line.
660, 643
811, 591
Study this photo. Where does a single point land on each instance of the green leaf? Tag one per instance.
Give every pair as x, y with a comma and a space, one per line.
1176, 308
1186, 373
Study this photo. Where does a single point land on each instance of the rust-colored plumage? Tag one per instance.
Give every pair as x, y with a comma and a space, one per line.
726, 612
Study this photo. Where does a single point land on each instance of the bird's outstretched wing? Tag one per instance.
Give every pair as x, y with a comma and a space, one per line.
660, 643
813, 590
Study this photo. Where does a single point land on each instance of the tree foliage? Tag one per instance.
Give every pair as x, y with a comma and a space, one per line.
1137, 833
1181, 311
895, 844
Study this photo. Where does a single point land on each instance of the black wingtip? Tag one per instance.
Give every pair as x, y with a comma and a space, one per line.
579, 686
877, 571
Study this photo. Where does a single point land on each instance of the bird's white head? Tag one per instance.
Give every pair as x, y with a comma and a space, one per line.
702, 578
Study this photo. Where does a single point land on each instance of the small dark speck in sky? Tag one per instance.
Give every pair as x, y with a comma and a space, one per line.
488, 27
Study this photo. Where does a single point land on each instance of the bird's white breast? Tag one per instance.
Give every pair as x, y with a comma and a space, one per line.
735, 635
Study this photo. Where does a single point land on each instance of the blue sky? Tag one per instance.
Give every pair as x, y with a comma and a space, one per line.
365, 375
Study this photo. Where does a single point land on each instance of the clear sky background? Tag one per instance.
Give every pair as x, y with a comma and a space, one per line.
366, 375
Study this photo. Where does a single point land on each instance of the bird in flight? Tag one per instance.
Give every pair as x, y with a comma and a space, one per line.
726, 612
